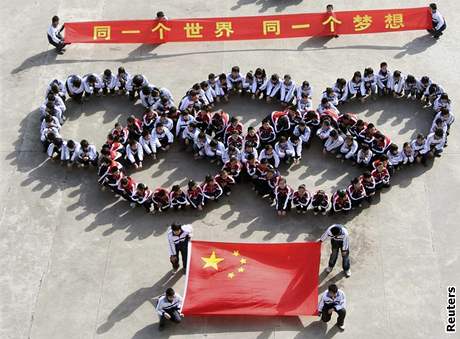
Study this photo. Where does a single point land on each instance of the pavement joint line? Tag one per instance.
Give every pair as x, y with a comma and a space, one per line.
106, 266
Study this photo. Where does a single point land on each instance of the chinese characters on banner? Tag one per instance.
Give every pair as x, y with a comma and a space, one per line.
249, 27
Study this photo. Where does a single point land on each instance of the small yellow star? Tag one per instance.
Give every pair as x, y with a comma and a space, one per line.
236, 253
231, 275
241, 269
212, 261
243, 261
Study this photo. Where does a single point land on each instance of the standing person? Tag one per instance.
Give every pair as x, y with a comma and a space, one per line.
168, 308
333, 300
178, 238
339, 241
54, 35
439, 23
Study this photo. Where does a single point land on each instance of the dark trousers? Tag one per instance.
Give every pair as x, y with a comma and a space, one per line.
437, 33
325, 316
175, 317
336, 246
59, 46
182, 249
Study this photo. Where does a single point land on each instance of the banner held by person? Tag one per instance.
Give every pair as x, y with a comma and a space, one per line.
249, 27
252, 279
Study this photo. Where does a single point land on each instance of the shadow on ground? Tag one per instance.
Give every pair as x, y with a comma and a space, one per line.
144, 52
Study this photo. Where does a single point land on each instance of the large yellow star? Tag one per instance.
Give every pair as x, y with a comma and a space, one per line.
212, 261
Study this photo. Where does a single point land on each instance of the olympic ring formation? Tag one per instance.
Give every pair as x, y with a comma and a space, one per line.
256, 155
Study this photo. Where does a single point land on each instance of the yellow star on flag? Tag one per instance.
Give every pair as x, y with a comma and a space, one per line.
243, 261
241, 269
231, 275
212, 261
236, 253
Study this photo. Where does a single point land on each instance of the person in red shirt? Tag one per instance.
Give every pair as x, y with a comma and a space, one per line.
225, 181
160, 200
357, 192
341, 202
320, 202
127, 188
301, 199
143, 197
233, 167
211, 189
195, 195
381, 175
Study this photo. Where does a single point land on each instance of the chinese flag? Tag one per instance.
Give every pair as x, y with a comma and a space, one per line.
252, 279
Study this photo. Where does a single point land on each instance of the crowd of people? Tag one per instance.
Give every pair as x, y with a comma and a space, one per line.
252, 154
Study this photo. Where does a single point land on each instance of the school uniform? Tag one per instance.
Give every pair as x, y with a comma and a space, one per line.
183, 123
149, 145
340, 243
382, 178
407, 157
122, 80
128, 190
273, 159
74, 92
195, 197
303, 90
301, 202
340, 204
160, 199
55, 112
177, 200
320, 203
396, 85
356, 195
135, 156
212, 190
225, 183
253, 139
283, 198
215, 153
235, 83
353, 89
109, 83
369, 186
338, 304
62, 88
333, 145
410, 89
323, 133
89, 153
68, 154
394, 160
369, 85
95, 88
208, 96
363, 158
341, 93
164, 137
143, 199
349, 151
271, 89
55, 38
287, 92
383, 83
439, 24
132, 88
172, 308
58, 102
284, 151
267, 135
178, 245
433, 145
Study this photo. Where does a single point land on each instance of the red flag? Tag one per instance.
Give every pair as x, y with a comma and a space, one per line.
252, 279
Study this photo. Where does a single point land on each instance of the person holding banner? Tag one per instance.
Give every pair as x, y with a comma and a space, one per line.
333, 300
339, 241
439, 23
54, 35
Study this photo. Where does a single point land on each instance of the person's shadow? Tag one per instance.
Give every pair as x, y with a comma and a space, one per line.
133, 301
416, 46
142, 51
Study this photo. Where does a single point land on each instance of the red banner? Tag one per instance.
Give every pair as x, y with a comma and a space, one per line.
252, 279
249, 27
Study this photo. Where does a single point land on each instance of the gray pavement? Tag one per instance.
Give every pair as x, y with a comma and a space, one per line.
77, 263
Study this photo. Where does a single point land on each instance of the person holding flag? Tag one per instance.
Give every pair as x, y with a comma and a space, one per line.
168, 308
339, 241
178, 238
333, 300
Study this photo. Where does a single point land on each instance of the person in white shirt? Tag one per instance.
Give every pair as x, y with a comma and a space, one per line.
109, 82
333, 300
93, 84
178, 239
54, 35
168, 308
339, 241
87, 154
75, 87
439, 23
333, 142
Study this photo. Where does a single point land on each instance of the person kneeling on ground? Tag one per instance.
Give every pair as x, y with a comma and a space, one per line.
168, 308
333, 300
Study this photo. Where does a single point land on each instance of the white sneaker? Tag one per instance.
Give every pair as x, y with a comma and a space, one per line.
348, 273
341, 327
329, 269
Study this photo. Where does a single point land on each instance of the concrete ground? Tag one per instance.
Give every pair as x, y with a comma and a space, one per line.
77, 263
